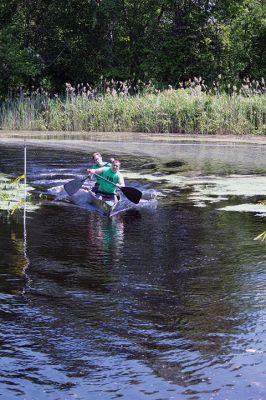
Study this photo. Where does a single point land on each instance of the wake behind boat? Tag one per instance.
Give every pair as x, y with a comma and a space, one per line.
86, 199
77, 194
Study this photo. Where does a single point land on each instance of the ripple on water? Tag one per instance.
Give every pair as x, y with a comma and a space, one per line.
164, 302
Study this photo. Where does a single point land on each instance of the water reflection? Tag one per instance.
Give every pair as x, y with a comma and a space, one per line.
107, 238
165, 302
13, 262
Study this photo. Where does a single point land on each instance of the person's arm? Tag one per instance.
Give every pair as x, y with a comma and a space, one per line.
95, 171
121, 181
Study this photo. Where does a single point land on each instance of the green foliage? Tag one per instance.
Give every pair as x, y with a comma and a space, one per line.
12, 195
246, 41
261, 237
19, 66
194, 108
166, 41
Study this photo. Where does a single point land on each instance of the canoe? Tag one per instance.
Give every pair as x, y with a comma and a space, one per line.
104, 206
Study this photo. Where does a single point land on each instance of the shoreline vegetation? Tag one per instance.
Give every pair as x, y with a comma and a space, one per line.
191, 109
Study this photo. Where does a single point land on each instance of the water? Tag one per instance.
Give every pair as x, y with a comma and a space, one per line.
165, 301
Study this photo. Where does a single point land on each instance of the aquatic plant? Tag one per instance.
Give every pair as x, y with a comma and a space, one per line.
12, 195
262, 236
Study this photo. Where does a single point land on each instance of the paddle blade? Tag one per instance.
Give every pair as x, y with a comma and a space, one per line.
73, 186
131, 193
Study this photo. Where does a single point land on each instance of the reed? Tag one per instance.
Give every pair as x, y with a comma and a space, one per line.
115, 106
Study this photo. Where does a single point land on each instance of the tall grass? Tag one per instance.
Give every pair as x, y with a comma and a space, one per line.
117, 106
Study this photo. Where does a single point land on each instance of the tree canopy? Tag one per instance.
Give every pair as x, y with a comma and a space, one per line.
50, 42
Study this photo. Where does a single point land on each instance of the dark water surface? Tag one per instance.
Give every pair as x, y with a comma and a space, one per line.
160, 302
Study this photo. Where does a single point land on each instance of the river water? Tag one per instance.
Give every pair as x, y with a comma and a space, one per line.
165, 300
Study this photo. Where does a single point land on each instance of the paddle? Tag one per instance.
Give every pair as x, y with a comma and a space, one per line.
73, 186
131, 193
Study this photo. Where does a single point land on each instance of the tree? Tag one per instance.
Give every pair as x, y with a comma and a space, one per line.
52, 42
19, 66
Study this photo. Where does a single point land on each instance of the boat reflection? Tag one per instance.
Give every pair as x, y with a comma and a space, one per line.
106, 237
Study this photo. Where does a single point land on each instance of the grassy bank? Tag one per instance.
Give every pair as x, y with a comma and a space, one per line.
193, 109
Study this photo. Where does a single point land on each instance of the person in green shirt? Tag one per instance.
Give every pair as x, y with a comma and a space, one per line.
98, 163
112, 174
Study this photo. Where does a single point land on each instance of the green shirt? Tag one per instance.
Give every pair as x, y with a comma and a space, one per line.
111, 176
96, 166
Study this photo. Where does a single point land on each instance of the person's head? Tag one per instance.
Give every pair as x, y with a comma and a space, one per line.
97, 158
115, 165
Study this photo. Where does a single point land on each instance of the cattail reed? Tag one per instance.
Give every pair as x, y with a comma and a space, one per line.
194, 107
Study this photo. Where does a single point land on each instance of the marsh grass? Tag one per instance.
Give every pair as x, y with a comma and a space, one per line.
118, 106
